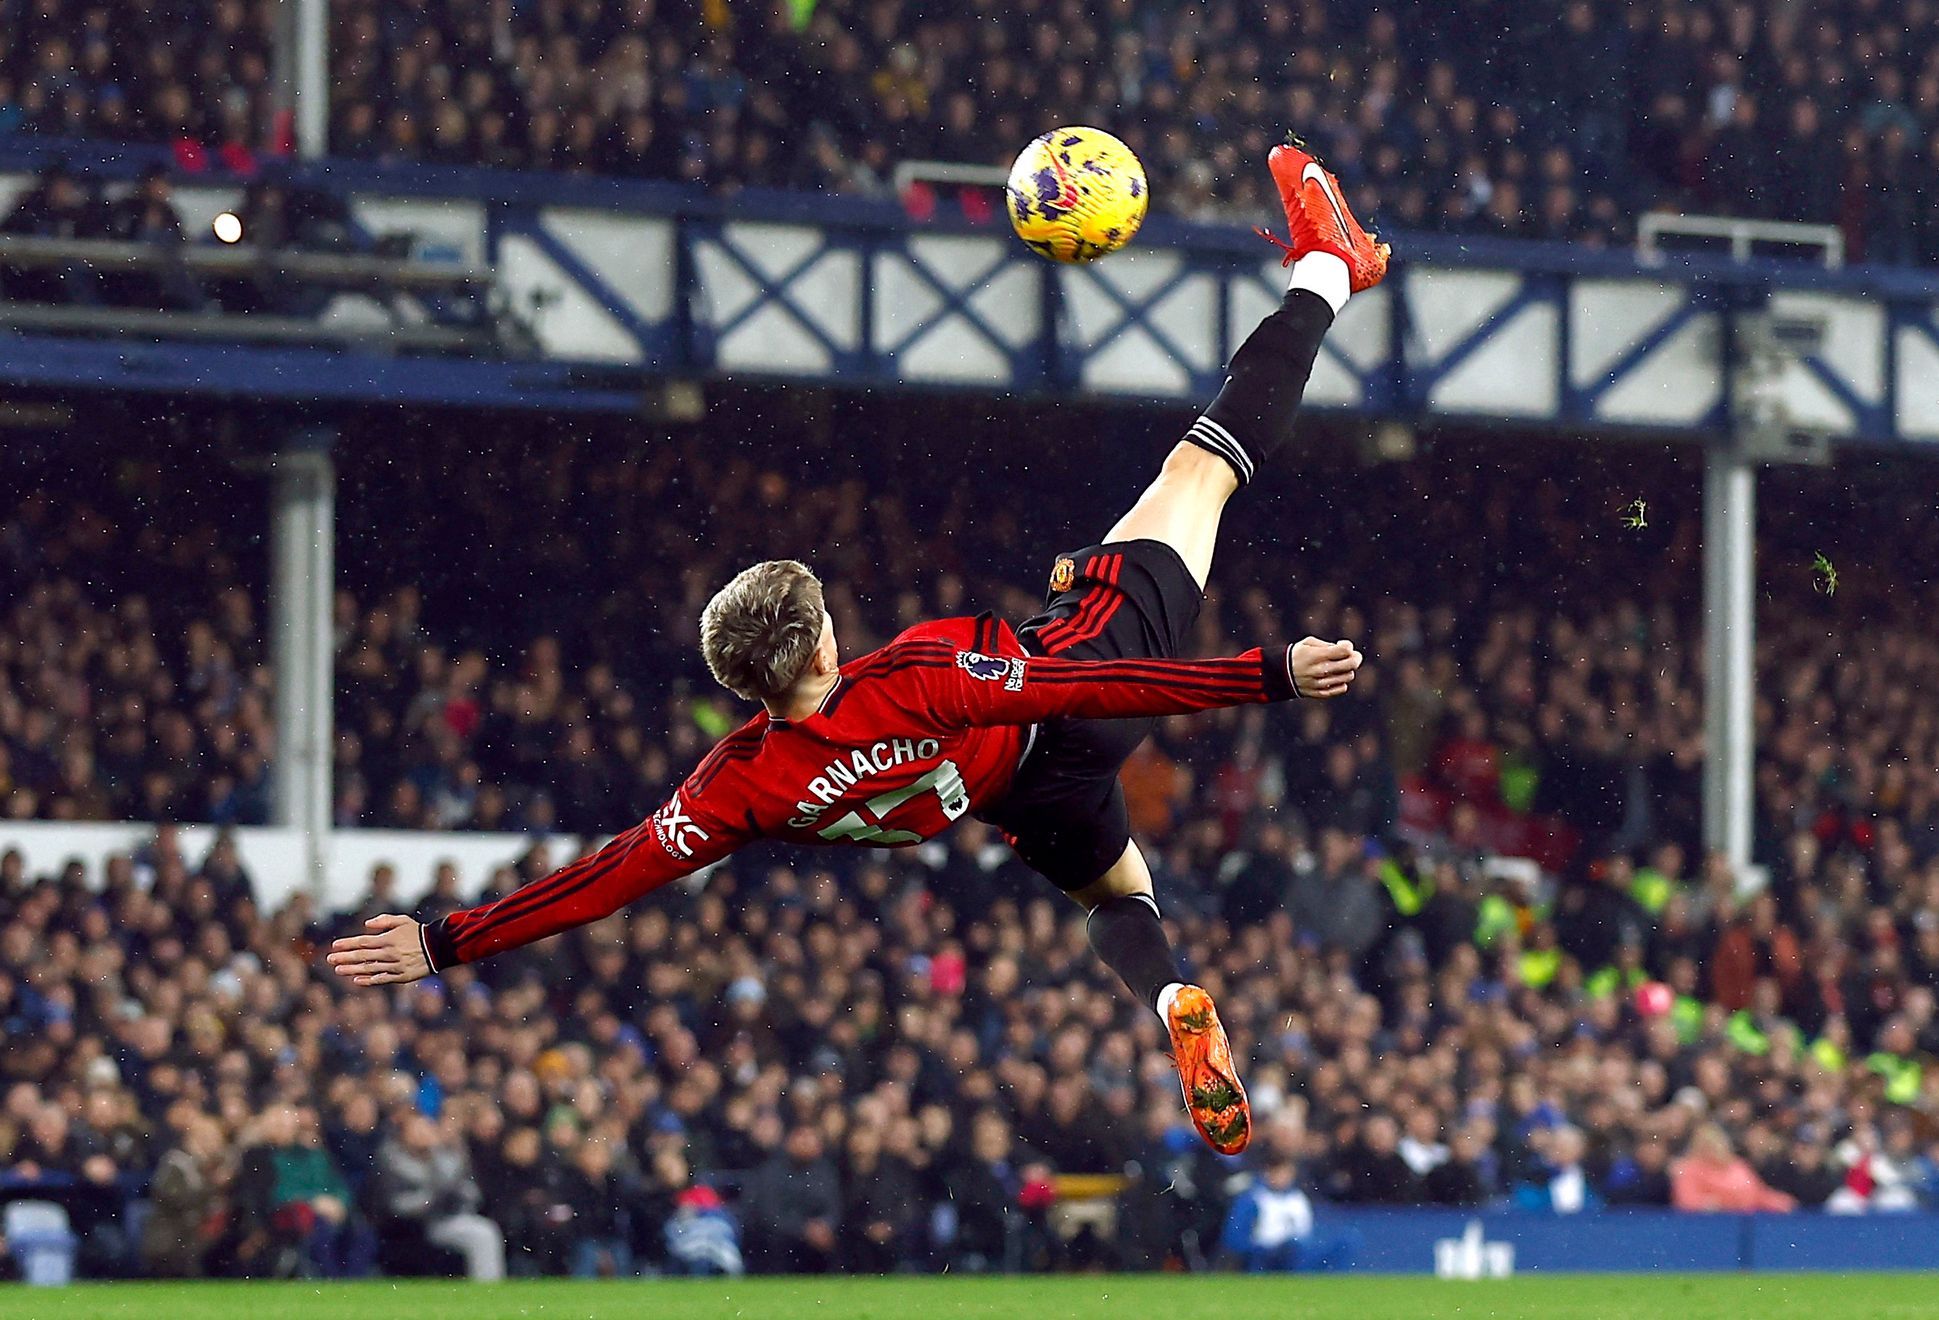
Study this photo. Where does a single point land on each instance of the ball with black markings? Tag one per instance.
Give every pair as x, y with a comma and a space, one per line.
1077, 194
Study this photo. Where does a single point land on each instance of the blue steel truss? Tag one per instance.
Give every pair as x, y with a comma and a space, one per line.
854, 293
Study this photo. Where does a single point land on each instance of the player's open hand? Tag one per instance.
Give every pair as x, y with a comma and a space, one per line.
1324, 669
392, 954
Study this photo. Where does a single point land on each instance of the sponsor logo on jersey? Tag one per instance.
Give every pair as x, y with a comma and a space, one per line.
1063, 575
676, 829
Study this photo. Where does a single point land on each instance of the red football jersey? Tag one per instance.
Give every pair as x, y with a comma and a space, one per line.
911, 737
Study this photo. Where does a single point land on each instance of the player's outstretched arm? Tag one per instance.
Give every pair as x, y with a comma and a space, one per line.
675, 841
975, 690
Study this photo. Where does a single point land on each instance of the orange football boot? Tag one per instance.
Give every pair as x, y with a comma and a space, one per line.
1205, 1073
1318, 218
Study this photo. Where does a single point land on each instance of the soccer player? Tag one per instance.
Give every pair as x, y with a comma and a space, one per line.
1024, 727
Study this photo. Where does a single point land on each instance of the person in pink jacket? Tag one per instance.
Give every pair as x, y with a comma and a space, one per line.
1713, 1177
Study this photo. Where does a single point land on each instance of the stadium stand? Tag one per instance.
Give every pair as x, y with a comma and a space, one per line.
1463, 924
1474, 124
1511, 701
893, 1068
1452, 1030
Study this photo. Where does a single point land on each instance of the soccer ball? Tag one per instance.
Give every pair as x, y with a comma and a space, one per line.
1077, 194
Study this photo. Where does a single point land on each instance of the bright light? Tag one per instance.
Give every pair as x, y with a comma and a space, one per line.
228, 227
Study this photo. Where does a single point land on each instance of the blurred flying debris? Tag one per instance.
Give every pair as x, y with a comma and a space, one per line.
1635, 515
1827, 575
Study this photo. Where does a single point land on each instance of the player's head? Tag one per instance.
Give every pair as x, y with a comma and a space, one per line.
766, 630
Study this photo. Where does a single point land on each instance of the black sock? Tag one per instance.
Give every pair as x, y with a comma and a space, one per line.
1126, 933
1253, 414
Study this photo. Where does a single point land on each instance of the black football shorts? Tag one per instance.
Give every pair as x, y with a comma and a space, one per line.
1065, 814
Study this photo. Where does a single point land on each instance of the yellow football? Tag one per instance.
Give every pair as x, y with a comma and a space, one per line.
1077, 194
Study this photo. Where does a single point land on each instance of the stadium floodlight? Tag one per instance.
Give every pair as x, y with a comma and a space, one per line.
1766, 350
1764, 425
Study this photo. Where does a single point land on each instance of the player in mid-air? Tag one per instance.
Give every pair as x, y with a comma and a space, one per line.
1024, 727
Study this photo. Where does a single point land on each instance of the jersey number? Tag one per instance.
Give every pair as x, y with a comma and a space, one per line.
945, 779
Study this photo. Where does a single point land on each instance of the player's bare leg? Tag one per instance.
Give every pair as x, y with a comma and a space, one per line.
1124, 915
1182, 507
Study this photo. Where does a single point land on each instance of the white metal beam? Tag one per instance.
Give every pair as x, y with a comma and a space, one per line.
1729, 619
303, 553
312, 78
303, 72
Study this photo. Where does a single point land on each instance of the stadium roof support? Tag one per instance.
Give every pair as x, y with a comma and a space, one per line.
303, 73
1729, 568
303, 567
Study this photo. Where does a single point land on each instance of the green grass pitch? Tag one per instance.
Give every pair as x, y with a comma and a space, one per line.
1550, 1297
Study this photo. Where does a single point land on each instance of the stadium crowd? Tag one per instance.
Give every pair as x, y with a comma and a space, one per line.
888, 1068
867, 1061
1508, 701
888, 1062
1473, 123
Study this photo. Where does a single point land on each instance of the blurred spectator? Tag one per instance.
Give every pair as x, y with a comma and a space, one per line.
1270, 1227
1462, 1179
288, 1184
1805, 1173
600, 1202
1561, 1185
531, 1196
147, 214
1371, 1171
880, 1206
701, 1237
1712, 1176
57, 205
989, 1190
793, 1205
1642, 1176
1335, 901
426, 1183
187, 1203
1754, 945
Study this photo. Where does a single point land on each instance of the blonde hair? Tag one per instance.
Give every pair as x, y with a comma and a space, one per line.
760, 631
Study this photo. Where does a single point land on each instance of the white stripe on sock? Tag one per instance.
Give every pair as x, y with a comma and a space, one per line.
1220, 441
1229, 439
1216, 445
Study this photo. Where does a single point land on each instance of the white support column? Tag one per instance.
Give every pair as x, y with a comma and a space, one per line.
1729, 619
303, 72
312, 31
303, 553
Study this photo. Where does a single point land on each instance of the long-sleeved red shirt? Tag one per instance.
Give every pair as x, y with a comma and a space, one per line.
912, 737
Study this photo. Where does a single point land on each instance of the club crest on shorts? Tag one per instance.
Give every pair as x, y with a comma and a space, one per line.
1063, 575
